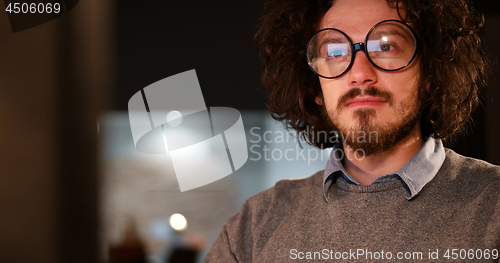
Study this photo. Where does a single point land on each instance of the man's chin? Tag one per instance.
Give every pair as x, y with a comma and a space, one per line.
364, 150
368, 139
362, 141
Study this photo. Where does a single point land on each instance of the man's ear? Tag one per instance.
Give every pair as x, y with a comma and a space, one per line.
319, 100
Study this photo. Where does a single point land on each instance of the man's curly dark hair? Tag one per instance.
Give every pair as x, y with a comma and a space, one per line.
453, 64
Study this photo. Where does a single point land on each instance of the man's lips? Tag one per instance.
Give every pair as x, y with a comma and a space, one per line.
365, 101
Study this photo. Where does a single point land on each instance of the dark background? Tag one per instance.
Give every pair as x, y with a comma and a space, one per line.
157, 39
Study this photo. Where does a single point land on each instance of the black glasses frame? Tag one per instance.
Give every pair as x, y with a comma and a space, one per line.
361, 46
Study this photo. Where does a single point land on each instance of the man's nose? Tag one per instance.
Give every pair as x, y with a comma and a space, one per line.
362, 72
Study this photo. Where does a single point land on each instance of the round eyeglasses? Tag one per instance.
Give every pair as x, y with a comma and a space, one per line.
390, 45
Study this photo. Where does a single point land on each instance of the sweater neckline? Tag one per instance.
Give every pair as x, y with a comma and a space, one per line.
342, 184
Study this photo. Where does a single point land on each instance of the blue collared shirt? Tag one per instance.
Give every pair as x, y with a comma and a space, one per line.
416, 173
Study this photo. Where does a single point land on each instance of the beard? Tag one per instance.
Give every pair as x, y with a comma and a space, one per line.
366, 136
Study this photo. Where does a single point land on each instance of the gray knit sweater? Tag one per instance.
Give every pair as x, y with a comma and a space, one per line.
455, 216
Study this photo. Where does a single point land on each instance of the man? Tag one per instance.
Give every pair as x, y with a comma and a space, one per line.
391, 79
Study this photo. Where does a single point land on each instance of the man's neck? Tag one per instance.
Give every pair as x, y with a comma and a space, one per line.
365, 170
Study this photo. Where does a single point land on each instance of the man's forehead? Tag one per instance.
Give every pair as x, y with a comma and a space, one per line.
358, 16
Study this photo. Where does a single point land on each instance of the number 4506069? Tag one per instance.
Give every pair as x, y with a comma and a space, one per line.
33, 8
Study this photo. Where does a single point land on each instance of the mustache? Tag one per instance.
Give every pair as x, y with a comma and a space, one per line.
369, 91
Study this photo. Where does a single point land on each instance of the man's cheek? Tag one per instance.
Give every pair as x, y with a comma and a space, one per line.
331, 101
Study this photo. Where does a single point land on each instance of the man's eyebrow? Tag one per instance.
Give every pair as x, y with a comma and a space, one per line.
333, 40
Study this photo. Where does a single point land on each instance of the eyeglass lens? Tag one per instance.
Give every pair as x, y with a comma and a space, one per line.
389, 46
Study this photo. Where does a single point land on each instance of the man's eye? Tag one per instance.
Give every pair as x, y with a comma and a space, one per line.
386, 47
381, 46
336, 50
337, 53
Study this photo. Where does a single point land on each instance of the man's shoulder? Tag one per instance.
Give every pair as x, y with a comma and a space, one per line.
468, 174
279, 200
248, 230
464, 165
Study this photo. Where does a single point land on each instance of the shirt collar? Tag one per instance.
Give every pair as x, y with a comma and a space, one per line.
416, 173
